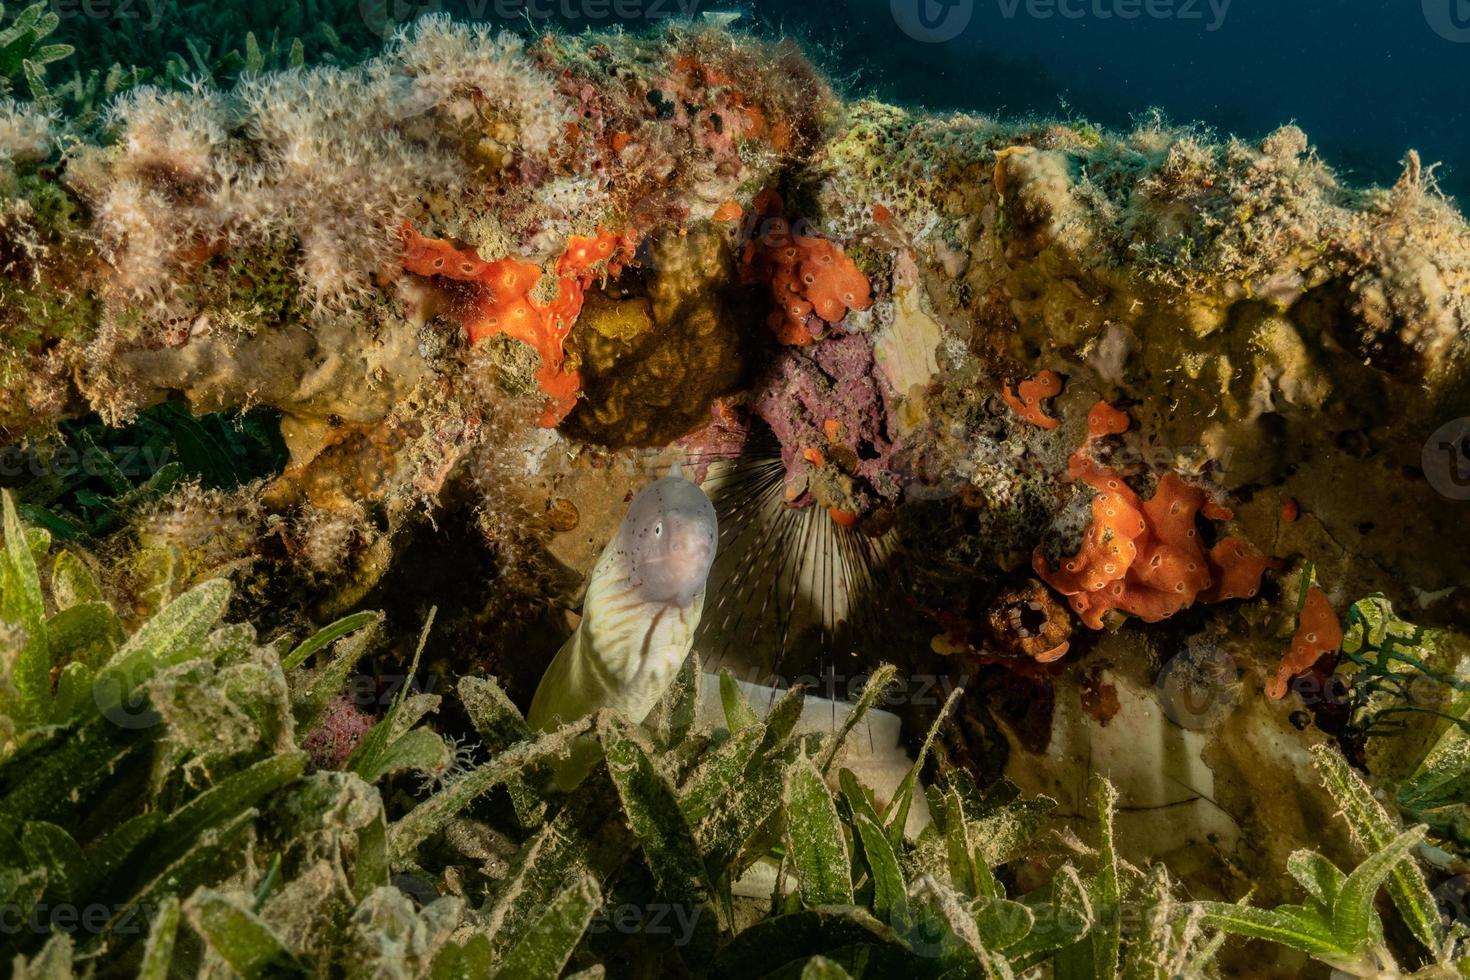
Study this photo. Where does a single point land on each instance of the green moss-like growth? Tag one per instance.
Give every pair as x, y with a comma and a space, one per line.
249, 289
174, 42
35, 318
233, 809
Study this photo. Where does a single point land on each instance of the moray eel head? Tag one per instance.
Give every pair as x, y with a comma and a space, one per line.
669, 536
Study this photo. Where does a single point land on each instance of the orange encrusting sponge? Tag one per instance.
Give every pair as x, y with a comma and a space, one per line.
807, 275
1144, 558
501, 301
1032, 391
1318, 634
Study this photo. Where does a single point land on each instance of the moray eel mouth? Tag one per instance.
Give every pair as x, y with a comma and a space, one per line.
676, 568
670, 534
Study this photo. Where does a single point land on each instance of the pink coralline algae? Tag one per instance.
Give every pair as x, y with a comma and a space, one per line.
342, 726
829, 412
724, 438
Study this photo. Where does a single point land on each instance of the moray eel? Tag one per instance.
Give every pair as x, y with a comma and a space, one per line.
643, 603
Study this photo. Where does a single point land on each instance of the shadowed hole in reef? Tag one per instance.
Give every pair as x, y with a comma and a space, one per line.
796, 597
502, 598
765, 600
82, 480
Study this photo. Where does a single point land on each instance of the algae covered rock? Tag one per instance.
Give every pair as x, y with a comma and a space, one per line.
654, 363
1113, 430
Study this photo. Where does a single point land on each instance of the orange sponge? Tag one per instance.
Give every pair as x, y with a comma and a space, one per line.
1144, 558
1318, 634
1027, 404
1105, 420
497, 299
807, 275
1240, 569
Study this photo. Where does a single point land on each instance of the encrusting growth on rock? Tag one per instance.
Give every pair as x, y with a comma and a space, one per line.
1025, 400
1318, 634
494, 300
813, 283
497, 298
1144, 557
